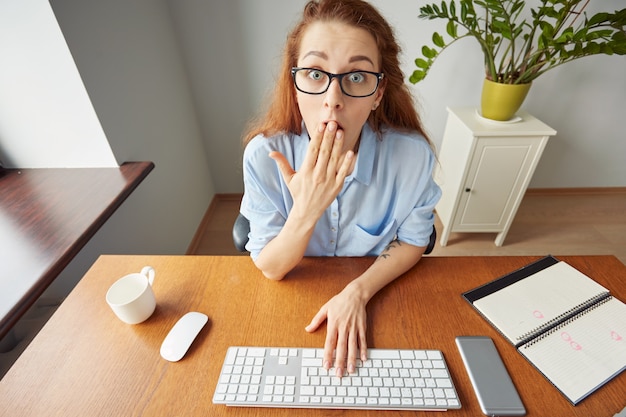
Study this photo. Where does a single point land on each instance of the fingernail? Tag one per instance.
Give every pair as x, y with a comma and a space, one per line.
326, 365
339, 372
331, 126
351, 368
321, 127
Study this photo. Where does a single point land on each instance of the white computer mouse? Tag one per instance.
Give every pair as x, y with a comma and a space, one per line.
182, 335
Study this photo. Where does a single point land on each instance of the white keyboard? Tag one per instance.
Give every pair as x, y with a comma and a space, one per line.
391, 379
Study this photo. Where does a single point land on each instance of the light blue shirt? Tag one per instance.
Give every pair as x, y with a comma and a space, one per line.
390, 194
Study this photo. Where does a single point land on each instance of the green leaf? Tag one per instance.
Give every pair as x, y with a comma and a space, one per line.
438, 40
578, 49
464, 11
517, 7
592, 48
451, 28
598, 18
428, 52
422, 63
547, 29
580, 35
566, 36
541, 42
417, 76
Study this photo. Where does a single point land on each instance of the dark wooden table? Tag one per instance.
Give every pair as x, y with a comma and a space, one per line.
46, 217
86, 362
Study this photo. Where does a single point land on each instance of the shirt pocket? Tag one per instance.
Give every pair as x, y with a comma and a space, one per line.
365, 243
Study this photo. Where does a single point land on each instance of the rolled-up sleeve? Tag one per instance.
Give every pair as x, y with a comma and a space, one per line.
417, 227
263, 203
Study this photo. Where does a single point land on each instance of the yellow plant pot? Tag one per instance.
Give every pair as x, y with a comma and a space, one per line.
501, 101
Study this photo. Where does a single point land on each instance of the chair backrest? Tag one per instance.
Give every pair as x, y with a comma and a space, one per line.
241, 228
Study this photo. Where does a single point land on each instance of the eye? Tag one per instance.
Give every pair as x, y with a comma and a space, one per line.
315, 75
356, 77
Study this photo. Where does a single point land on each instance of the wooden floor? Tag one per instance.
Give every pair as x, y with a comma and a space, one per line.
557, 222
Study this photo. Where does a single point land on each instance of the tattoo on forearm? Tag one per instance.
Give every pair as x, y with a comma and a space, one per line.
385, 254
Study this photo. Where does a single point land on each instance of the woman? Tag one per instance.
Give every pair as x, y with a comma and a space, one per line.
340, 166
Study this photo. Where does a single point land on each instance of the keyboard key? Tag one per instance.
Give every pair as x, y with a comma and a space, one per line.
256, 352
308, 353
312, 362
383, 354
434, 354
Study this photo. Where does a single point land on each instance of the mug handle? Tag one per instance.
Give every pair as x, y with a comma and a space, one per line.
149, 273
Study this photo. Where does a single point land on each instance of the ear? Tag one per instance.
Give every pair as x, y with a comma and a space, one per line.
380, 91
378, 96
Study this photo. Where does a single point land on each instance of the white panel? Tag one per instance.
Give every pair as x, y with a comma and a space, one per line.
46, 117
494, 181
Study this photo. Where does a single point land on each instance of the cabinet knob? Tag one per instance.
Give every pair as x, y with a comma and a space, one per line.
467, 190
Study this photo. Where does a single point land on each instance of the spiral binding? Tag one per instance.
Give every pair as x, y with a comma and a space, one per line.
572, 312
590, 305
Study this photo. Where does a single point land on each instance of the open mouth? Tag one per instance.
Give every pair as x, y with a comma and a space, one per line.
339, 126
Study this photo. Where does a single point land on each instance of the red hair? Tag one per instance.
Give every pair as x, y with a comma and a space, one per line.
396, 108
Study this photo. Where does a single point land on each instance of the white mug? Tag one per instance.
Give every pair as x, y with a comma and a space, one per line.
131, 297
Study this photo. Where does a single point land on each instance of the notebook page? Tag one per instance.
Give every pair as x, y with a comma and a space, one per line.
538, 299
581, 355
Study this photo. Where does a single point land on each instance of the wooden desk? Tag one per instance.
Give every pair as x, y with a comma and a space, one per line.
46, 217
85, 362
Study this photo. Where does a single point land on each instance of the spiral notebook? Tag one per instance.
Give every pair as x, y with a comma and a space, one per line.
567, 325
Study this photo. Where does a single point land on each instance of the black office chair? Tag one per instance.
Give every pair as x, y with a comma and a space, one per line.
241, 228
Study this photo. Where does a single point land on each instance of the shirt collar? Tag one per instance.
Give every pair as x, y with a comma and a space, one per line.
365, 157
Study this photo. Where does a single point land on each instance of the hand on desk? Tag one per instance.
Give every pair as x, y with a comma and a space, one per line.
345, 313
346, 330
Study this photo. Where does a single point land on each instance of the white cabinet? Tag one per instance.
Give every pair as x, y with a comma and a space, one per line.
484, 169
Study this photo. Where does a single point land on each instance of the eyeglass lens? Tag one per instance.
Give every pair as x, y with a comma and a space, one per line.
356, 84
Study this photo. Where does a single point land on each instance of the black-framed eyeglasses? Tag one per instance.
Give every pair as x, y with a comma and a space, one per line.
353, 83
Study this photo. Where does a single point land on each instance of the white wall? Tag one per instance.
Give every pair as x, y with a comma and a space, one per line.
46, 118
585, 101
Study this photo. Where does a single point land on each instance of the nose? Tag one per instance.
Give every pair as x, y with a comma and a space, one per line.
334, 96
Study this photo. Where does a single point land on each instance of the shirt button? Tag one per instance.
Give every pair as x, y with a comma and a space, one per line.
332, 242
334, 214
332, 229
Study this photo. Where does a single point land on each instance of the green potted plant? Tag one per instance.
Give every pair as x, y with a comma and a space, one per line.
520, 44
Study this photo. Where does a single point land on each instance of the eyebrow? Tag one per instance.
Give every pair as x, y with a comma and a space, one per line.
361, 58
352, 59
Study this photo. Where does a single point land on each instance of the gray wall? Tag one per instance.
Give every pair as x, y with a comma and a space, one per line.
129, 59
585, 101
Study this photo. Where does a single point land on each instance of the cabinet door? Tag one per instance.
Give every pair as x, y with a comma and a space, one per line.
498, 174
